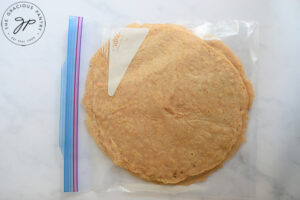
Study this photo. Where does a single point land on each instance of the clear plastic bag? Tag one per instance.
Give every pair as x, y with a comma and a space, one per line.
236, 180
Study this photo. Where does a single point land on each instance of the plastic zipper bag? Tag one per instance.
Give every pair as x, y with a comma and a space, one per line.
98, 173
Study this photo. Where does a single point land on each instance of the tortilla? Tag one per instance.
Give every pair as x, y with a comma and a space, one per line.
180, 111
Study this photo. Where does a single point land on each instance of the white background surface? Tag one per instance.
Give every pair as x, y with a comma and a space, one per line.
29, 93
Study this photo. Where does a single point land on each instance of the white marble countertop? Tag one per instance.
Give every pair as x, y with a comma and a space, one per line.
29, 93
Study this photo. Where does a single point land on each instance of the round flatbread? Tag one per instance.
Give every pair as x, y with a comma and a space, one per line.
180, 110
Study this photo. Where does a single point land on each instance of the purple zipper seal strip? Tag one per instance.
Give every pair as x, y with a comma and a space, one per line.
75, 114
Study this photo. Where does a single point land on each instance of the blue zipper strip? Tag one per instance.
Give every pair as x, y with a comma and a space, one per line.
68, 125
68, 153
